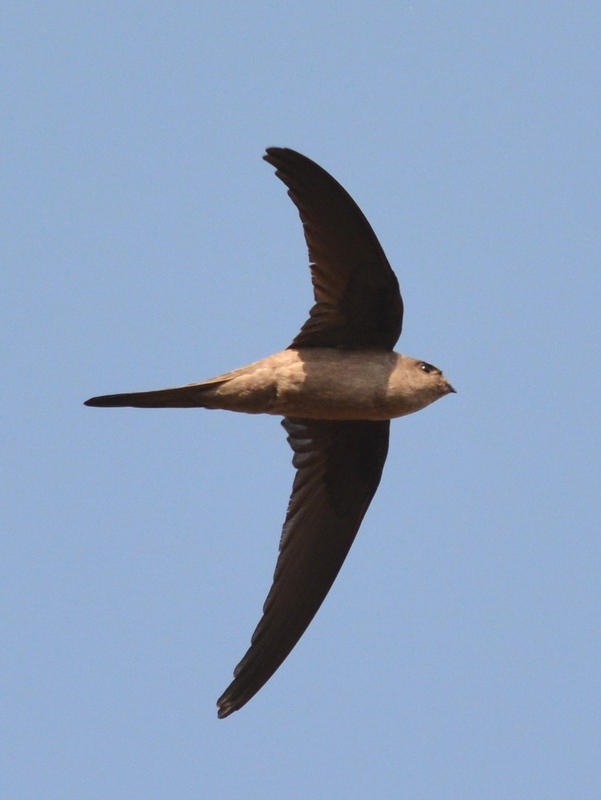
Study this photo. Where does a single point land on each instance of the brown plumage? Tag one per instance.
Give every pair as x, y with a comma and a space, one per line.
337, 386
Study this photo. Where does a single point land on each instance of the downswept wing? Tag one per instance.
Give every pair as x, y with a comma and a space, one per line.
339, 465
357, 299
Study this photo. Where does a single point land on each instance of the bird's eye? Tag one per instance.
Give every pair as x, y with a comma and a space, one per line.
426, 367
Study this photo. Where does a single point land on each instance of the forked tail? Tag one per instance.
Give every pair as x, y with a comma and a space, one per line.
195, 395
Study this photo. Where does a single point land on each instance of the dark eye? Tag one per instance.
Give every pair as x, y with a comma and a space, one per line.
427, 367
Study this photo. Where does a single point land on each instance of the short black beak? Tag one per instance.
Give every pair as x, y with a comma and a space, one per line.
450, 389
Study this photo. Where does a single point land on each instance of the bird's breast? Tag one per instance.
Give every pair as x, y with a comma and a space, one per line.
323, 383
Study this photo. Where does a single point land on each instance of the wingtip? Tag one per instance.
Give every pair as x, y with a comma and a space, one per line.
272, 154
239, 692
222, 713
275, 155
226, 705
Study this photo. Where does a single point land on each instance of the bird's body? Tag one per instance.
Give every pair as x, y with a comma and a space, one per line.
337, 386
310, 383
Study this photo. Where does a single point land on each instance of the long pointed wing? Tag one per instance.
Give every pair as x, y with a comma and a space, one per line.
339, 465
357, 298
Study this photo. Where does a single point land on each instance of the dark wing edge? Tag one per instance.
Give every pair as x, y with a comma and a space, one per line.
339, 466
358, 303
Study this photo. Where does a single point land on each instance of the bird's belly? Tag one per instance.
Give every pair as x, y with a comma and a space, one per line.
318, 383
341, 388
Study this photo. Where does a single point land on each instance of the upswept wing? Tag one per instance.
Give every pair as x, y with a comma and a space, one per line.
357, 299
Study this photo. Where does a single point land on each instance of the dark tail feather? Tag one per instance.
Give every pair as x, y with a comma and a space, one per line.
192, 396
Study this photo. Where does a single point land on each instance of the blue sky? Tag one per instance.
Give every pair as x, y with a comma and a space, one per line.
145, 244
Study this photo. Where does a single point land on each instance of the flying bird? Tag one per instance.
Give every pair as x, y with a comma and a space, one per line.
337, 386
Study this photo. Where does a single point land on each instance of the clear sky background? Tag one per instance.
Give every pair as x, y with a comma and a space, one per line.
145, 244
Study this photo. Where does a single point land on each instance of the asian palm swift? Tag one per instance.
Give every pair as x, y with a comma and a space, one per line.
337, 386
